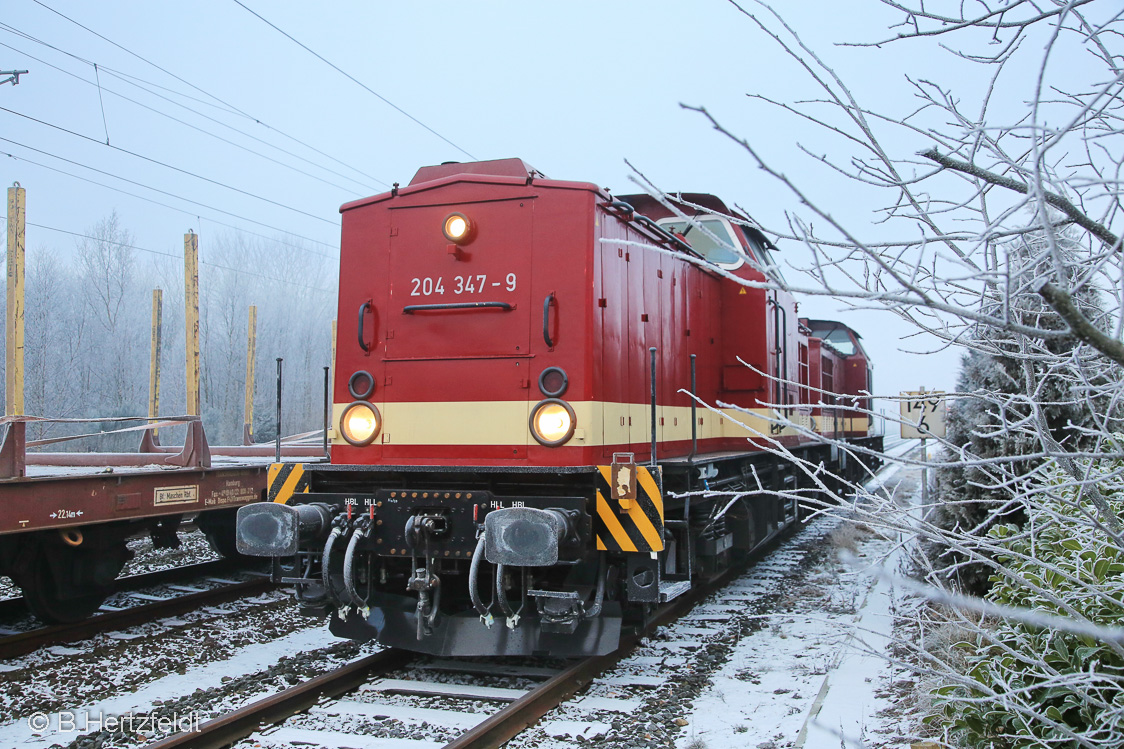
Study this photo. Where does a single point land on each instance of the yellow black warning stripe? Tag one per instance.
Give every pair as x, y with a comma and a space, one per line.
285, 480
638, 528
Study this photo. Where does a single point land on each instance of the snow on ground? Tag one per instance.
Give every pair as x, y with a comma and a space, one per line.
790, 656
193, 667
248, 660
816, 677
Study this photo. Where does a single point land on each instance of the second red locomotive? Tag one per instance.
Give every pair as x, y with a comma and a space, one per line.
520, 467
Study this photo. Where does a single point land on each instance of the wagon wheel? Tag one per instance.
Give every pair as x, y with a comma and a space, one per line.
219, 528
50, 595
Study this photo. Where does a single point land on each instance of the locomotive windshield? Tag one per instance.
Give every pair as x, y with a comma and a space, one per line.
838, 338
727, 252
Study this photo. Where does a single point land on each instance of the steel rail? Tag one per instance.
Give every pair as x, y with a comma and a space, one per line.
509, 722
492, 732
12, 646
221, 732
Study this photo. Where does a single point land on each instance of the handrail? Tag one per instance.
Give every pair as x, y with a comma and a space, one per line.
628, 213
362, 313
412, 308
546, 320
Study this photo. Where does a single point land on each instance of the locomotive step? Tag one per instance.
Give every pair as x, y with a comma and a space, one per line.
670, 590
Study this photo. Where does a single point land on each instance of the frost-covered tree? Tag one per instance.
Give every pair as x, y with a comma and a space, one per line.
54, 330
88, 324
973, 495
113, 310
1000, 217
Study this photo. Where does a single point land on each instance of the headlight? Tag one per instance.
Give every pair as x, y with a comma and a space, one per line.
361, 385
360, 423
553, 382
458, 229
553, 422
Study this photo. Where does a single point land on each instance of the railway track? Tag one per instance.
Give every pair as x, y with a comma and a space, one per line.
346, 693
11, 608
187, 598
377, 673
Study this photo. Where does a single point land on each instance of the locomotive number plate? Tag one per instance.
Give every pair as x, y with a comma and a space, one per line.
461, 285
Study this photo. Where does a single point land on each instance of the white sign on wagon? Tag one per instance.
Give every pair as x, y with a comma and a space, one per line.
922, 414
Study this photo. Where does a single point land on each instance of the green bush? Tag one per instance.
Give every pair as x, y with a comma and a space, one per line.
1037, 686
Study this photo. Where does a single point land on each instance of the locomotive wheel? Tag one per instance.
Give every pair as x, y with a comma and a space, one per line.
50, 591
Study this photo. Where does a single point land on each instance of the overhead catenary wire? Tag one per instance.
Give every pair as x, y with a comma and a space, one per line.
182, 122
350, 77
167, 165
162, 192
147, 88
225, 105
23, 34
285, 281
165, 71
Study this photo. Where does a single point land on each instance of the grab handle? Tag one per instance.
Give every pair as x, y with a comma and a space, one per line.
546, 320
362, 313
411, 309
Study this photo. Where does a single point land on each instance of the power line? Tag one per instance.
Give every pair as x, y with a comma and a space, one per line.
229, 107
350, 77
145, 60
162, 192
149, 86
179, 257
188, 124
13, 30
125, 79
167, 166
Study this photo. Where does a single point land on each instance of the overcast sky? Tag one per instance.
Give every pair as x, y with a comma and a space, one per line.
574, 88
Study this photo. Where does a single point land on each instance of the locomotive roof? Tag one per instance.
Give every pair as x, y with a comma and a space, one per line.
497, 171
829, 325
654, 209
689, 204
493, 168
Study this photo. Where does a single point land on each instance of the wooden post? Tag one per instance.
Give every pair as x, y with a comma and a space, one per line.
191, 318
13, 360
154, 361
251, 357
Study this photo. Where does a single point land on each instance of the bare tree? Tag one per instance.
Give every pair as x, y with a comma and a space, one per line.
1000, 234
88, 333
114, 307
294, 323
55, 326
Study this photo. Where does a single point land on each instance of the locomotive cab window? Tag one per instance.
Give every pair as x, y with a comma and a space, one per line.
727, 252
761, 252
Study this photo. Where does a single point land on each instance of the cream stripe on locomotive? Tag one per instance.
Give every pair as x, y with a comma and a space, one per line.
284, 480
598, 423
635, 527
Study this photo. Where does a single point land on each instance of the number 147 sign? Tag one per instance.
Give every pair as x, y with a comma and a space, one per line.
922, 414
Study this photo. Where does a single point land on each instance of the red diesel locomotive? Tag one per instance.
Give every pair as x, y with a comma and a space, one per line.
518, 466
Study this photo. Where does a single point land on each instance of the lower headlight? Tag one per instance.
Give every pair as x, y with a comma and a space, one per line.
553, 422
360, 423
